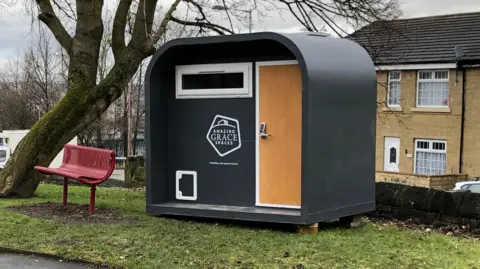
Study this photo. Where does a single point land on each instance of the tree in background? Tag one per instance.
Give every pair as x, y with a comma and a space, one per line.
31, 84
78, 27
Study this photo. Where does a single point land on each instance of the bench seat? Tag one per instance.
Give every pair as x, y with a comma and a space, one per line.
88, 165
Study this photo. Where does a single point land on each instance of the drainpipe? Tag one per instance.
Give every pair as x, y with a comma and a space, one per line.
458, 57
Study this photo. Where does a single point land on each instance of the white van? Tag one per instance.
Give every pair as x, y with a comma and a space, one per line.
9, 139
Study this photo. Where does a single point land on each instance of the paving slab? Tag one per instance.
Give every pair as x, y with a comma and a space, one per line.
16, 261
118, 174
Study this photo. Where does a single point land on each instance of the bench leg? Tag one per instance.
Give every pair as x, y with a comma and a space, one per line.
65, 191
92, 200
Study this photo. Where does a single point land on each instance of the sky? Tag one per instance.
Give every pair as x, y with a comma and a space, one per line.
15, 24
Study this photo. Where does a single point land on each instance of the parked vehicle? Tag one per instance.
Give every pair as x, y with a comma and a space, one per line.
9, 140
472, 186
4, 155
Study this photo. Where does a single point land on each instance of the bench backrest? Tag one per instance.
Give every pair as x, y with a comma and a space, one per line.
92, 162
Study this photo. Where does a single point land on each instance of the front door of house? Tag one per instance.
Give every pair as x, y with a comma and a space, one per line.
279, 125
391, 154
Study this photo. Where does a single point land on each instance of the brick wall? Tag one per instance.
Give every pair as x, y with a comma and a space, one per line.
429, 205
440, 182
409, 123
471, 157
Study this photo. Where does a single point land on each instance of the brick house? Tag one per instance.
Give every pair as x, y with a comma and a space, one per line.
428, 74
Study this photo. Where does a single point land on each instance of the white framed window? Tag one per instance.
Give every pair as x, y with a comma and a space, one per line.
232, 80
433, 88
430, 157
394, 89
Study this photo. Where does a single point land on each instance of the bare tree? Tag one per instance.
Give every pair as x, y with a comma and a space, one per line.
340, 15
87, 98
29, 84
6, 3
138, 116
42, 64
386, 42
15, 106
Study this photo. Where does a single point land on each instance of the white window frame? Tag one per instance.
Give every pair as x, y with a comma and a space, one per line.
245, 92
394, 80
178, 193
430, 145
433, 79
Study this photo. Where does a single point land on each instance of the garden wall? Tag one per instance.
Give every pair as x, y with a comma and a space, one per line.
441, 182
431, 206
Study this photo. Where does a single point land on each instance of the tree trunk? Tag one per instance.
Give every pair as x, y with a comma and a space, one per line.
125, 124
98, 132
81, 106
40, 146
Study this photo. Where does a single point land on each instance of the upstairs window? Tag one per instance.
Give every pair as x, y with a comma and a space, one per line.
432, 88
214, 81
394, 89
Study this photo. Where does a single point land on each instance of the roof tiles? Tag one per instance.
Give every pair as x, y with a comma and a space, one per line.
421, 40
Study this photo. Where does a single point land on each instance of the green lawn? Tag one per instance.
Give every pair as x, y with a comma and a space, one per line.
167, 243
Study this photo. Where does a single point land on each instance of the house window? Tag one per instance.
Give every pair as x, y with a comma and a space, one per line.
430, 157
432, 88
394, 89
214, 81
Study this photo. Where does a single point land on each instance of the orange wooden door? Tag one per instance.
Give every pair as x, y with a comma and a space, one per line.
280, 108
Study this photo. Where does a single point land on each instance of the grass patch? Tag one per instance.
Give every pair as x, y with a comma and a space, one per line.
156, 242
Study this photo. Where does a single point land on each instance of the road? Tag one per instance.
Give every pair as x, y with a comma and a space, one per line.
14, 261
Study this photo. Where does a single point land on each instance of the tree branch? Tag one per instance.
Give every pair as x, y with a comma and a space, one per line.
70, 13
143, 22
162, 29
48, 17
353, 12
119, 24
214, 27
228, 15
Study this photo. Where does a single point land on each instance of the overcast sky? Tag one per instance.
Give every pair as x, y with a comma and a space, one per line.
15, 24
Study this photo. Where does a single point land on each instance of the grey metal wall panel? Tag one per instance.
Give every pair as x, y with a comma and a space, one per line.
156, 159
227, 180
339, 127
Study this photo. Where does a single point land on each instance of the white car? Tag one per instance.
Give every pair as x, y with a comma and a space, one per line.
473, 186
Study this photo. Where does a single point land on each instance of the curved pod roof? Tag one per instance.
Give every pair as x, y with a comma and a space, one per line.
320, 58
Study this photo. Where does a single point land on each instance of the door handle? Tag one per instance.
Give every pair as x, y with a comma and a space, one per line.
263, 130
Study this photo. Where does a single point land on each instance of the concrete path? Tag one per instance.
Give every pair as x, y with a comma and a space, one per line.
118, 174
15, 261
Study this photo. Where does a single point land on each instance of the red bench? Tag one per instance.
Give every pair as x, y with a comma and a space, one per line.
90, 166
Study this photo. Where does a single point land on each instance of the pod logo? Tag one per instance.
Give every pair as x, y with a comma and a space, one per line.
224, 135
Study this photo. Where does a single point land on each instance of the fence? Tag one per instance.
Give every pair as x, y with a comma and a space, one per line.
117, 145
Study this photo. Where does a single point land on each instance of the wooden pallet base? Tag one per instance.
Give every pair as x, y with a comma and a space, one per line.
307, 229
349, 221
